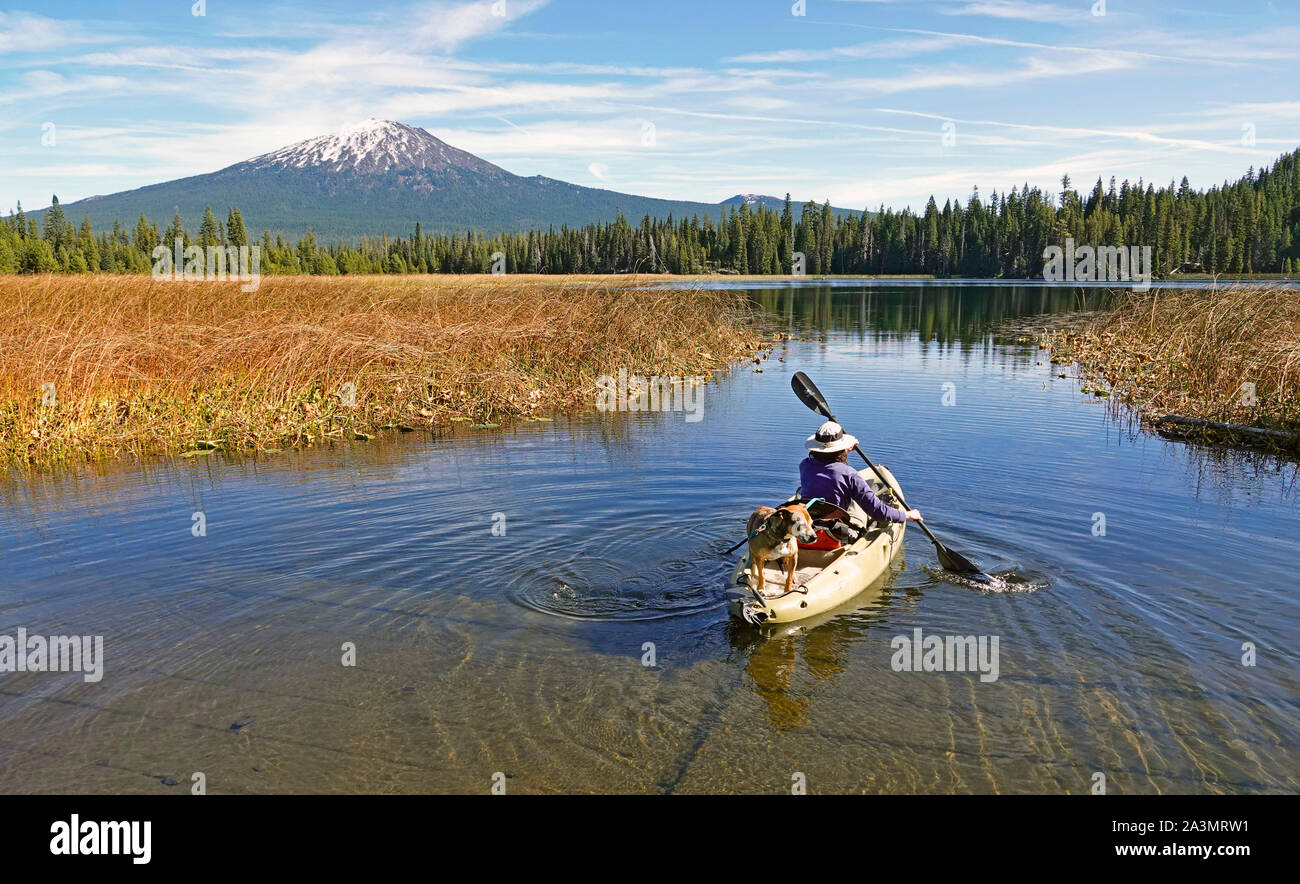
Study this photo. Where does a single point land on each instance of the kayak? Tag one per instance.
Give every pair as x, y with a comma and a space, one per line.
824, 578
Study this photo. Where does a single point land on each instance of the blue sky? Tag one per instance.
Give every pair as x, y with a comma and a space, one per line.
850, 101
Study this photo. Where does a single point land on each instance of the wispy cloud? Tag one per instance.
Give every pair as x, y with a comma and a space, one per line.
879, 50
1139, 135
43, 85
1223, 51
446, 26
24, 32
1024, 10
966, 78
790, 103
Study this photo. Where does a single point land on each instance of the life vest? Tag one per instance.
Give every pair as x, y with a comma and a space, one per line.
832, 518
824, 541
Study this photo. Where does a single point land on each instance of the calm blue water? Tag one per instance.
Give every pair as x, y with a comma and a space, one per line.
524, 653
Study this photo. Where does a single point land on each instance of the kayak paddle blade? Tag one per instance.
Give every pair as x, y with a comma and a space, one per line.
955, 561
809, 395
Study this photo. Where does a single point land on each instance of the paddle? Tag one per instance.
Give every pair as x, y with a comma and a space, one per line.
809, 395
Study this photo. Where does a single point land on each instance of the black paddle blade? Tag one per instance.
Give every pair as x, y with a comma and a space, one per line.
809, 395
954, 561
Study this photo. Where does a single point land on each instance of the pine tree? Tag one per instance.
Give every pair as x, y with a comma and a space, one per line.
87, 246
787, 234
145, 239
236, 235
209, 230
175, 232
56, 225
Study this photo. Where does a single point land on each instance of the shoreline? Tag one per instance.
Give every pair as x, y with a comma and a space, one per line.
1217, 366
1220, 279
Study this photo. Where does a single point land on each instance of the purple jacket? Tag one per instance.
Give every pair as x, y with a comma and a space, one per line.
840, 484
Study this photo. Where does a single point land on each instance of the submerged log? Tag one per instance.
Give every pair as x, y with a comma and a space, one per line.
1178, 425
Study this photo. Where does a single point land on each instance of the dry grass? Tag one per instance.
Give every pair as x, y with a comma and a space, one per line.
1190, 352
143, 367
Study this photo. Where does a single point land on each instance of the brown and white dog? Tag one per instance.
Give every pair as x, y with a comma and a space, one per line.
775, 534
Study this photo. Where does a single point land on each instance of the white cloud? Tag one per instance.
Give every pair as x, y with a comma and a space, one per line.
446, 26
24, 32
1147, 136
43, 85
1223, 51
967, 78
1025, 11
902, 48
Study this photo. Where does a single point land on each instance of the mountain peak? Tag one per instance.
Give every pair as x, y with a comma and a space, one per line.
385, 176
372, 146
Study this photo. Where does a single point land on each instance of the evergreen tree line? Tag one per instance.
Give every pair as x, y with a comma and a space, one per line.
1249, 226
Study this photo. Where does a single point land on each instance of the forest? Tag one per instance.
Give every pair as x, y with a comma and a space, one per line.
1250, 226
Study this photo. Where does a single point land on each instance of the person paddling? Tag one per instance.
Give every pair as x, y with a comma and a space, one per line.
825, 473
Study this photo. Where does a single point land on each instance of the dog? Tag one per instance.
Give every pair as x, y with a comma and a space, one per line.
776, 534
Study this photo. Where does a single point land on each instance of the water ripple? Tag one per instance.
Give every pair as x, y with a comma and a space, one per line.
591, 588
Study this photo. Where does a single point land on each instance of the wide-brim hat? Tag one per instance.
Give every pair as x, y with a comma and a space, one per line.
830, 438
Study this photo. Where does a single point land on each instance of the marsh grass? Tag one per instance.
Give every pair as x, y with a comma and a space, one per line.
1189, 353
141, 367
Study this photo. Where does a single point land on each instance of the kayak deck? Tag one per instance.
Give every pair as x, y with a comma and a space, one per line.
824, 579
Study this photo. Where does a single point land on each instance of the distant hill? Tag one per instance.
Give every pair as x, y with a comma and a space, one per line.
777, 204
382, 177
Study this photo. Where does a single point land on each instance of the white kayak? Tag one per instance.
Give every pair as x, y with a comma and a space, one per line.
824, 578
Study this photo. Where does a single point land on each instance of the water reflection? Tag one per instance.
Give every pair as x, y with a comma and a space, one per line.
939, 313
526, 653
791, 664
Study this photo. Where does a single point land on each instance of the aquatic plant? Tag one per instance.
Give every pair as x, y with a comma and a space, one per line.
100, 366
1227, 354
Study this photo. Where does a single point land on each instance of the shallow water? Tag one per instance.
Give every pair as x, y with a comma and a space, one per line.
523, 654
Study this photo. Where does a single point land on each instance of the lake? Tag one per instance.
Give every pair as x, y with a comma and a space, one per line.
1139, 568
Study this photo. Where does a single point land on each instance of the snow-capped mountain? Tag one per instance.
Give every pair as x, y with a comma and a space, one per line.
372, 147
378, 176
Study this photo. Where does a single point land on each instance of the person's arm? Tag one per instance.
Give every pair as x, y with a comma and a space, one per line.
875, 508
